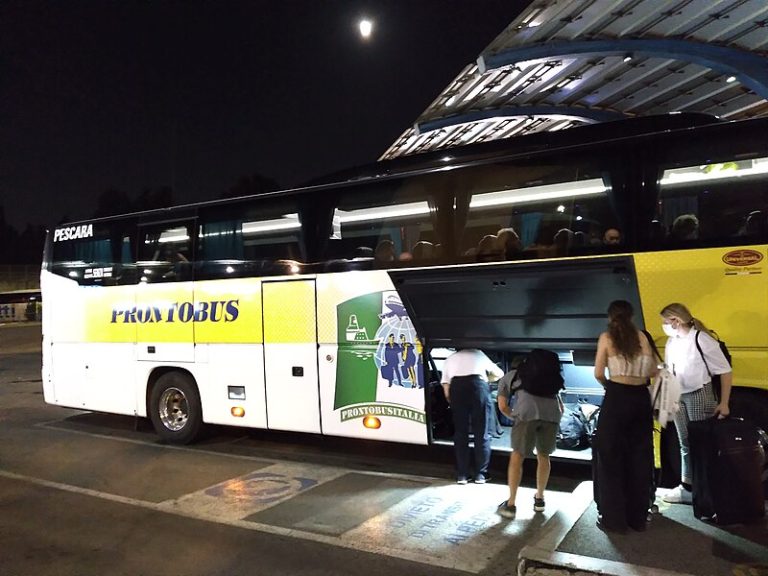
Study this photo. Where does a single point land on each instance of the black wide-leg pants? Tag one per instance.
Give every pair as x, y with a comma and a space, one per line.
623, 454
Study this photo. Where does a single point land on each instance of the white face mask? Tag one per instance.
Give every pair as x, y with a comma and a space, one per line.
668, 330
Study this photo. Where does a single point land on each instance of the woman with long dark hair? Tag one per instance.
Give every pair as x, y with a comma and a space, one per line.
623, 448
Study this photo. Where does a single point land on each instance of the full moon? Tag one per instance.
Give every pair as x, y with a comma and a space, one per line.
366, 27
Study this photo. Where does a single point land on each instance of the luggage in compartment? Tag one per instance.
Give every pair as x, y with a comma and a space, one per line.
726, 460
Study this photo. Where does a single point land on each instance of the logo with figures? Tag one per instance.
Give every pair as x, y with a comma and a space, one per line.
380, 361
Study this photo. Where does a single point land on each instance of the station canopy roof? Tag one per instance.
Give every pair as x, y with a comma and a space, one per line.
565, 63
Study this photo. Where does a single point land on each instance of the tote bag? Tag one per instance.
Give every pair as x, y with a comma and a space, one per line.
665, 393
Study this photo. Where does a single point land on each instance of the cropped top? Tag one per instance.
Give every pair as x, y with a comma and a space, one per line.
641, 366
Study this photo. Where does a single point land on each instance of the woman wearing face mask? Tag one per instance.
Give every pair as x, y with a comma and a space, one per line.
623, 450
697, 399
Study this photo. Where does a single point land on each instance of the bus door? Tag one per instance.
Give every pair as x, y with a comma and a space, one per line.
290, 355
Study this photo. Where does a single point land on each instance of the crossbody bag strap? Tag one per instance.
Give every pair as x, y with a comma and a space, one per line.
515, 378
696, 338
655, 351
653, 345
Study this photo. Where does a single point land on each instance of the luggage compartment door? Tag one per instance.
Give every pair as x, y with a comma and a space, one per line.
555, 304
290, 355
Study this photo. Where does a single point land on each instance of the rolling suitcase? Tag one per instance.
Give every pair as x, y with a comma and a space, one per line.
726, 461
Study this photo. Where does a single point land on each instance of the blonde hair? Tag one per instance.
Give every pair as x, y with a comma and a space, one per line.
680, 311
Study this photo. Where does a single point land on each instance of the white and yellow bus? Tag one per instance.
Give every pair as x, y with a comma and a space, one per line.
326, 309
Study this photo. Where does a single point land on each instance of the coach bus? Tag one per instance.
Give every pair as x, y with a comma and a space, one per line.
327, 309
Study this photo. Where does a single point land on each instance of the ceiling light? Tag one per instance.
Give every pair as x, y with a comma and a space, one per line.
381, 212
539, 193
174, 235
287, 222
681, 176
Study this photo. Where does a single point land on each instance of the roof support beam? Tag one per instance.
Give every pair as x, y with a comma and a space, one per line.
588, 115
749, 68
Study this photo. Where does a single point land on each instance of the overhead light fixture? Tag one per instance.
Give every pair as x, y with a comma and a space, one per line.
547, 192
381, 212
173, 235
286, 222
628, 58
730, 79
679, 176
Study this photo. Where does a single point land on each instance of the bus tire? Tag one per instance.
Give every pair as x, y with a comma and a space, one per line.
175, 408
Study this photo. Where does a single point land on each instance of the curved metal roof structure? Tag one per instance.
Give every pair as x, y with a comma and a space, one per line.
564, 63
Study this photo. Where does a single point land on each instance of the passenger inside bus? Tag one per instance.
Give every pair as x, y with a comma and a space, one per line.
612, 237
656, 234
385, 251
490, 249
543, 247
563, 241
510, 242
423, 250
167, 252
684, 228
755, 225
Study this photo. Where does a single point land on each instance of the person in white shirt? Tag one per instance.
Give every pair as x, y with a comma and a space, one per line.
465, 378
693, 369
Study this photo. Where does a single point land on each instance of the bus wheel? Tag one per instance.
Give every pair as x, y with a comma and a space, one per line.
175, 408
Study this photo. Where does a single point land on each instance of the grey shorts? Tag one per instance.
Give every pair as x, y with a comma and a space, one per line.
537, 434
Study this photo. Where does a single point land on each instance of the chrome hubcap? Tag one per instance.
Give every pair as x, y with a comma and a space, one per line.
173, 409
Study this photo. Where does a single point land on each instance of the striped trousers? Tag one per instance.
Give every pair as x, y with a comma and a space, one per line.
697, 405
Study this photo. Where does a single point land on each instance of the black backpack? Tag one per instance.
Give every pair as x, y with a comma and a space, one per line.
539, 373
715, 377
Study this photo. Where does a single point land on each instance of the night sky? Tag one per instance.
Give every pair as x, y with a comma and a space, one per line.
128, 95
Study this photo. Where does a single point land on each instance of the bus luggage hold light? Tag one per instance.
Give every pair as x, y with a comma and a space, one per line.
237, 411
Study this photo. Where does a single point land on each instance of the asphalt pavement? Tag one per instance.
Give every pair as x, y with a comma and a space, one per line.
248, 495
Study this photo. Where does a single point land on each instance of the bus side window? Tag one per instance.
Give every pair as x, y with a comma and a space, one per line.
255, 237
541, 210
381, 226
165, 252
722, 203
98, 257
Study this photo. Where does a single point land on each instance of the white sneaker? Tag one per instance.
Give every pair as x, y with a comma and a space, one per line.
678, 495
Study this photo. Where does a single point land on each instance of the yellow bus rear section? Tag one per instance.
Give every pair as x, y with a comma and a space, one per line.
725, 288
